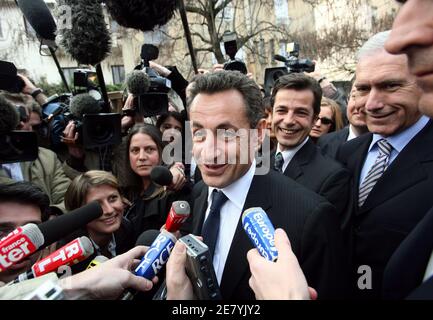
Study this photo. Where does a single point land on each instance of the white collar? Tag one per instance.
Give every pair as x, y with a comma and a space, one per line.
238, 190
290, 153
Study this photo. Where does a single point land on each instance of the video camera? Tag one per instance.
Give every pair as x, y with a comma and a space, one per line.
155, 101
231, 48
15, 145
86, 81
292, 65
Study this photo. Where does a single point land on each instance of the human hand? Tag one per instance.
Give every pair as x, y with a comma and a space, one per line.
110, 279
163, 71
29, 87
179, 178
70, 138
281, 280
179, 286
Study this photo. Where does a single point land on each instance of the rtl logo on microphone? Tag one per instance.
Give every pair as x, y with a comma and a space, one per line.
13, 248
65, 254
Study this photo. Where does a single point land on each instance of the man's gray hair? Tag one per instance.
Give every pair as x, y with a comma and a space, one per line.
374, 44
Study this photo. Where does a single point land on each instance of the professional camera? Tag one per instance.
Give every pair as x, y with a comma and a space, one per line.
292, 61
86, 80
231, 48
292, 65
155, 101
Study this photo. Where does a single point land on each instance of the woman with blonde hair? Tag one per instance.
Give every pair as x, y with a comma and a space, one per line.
111, 234
330, 119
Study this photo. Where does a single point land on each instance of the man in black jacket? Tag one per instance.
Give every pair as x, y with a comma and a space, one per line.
225, 109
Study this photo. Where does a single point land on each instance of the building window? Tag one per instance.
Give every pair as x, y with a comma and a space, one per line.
118, 74
30, 32
1, 30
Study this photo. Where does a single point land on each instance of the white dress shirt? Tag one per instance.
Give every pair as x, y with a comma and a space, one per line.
13, 170
397, 141
429, 270
352, 134
230, 214
289, 154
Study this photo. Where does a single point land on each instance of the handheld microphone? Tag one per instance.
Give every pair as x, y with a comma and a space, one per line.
147, 237
26, 240
138, 82
85, 46
141, 14
179, 213
19, 244
161, 175
75, 251
97, 261
260, 231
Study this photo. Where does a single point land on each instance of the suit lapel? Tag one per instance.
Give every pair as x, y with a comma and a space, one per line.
409, 160
237, 264
301, 158
199, 210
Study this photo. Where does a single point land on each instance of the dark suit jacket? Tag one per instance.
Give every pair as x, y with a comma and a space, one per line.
398, 201
322, 175
309, 220
329, 143
405, 270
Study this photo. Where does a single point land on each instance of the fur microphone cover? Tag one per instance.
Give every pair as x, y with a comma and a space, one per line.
144, 15
88, 41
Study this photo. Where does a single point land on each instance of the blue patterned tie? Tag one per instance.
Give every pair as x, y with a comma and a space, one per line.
212, 224
279, 161
376, 171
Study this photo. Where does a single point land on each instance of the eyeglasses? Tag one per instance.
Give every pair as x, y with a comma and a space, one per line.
325, 121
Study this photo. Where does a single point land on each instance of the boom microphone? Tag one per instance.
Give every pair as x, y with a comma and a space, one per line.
75, 251
88, 41
161, 175
141, 14
138, 82
84, 103
39, 16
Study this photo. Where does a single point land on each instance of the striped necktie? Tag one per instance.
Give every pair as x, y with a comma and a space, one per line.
376, 171
279, 161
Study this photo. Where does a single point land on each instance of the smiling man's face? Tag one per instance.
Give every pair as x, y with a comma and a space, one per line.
391, 92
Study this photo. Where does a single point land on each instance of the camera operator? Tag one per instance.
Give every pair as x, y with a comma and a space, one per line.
45, 171
32, 90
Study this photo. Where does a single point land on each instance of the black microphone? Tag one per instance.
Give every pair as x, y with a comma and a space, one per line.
161, 175
84, 103
144, 15
88, 41
67, 223
280, 58
39, 17
147, 237
137, 82
9, 118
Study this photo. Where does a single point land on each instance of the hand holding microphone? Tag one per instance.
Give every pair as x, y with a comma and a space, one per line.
275, 270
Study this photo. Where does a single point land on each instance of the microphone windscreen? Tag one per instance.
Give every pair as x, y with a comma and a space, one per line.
40, 18
144, 15
67, 223
86, 246
137, 82
84, 103
9, 118
161, 175
147, 238
88, 41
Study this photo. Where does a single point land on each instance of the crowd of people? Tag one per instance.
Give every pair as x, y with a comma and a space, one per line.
347, 186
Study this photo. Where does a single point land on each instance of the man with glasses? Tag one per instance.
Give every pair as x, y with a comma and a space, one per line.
296, 105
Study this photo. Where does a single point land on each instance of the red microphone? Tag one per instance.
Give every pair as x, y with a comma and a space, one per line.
18, 244
75, 251
178, 214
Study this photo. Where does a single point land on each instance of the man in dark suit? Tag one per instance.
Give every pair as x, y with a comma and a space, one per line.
225, 108
409, 273
296, 104
329, 143
391, 166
